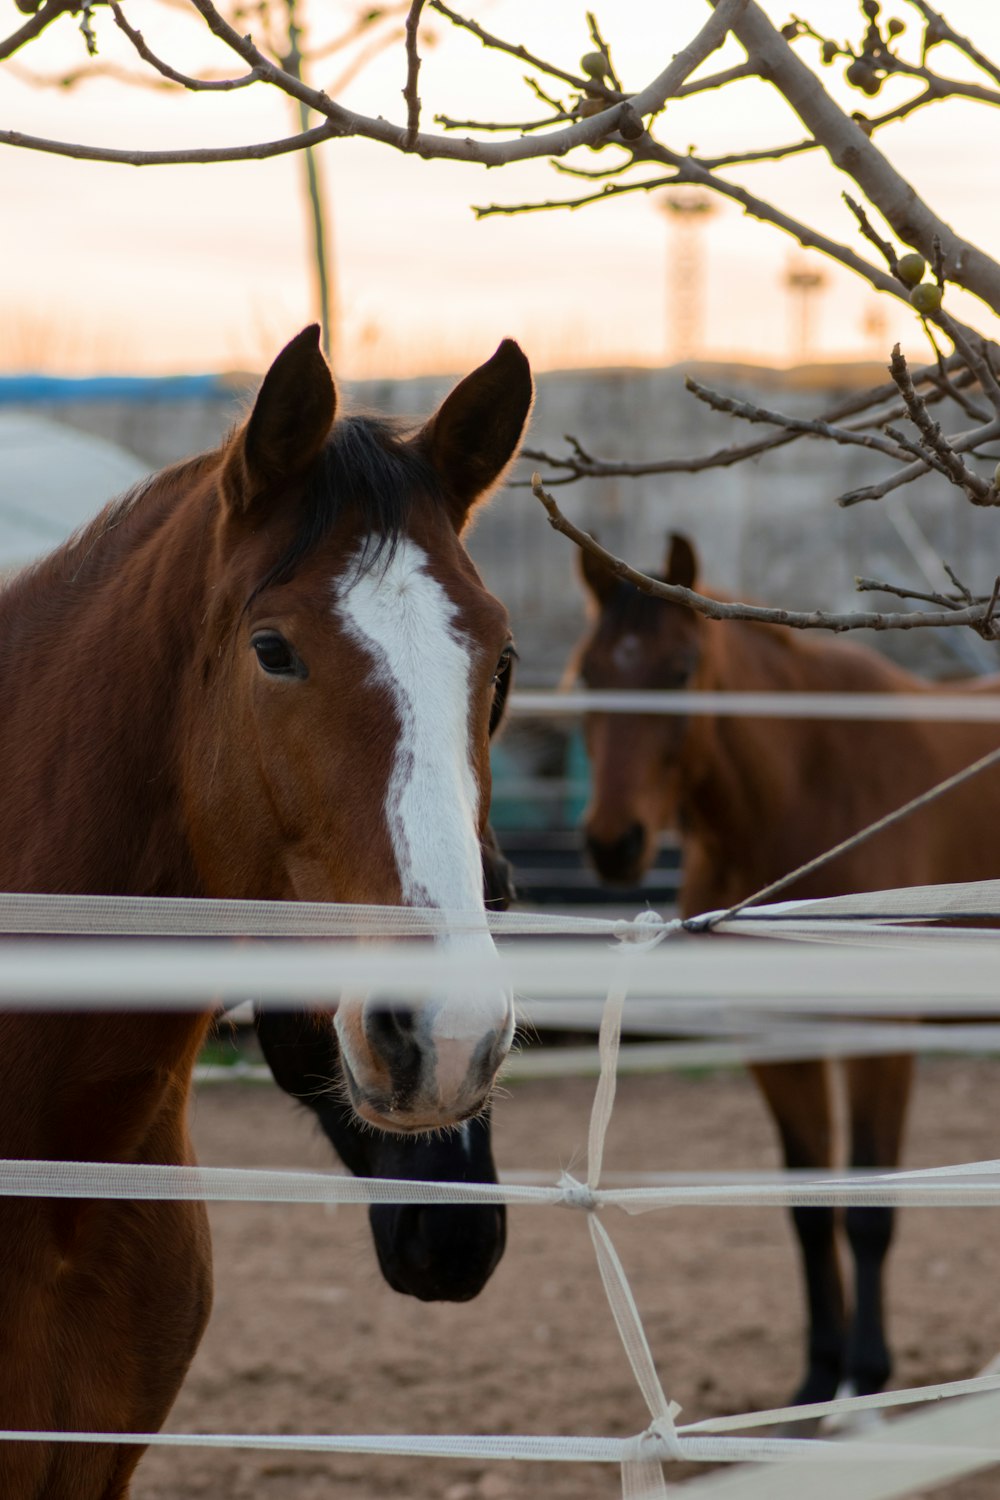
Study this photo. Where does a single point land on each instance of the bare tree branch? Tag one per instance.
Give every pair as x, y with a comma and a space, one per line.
943, 32
597, 37
42, 18
717, 609
601, 113
523, 55
625, 117
581, 465
749, 411
196, 156
524, 127
717, 80
219, 85
962, 442
850, 149
412, 73
879, 586
933, 441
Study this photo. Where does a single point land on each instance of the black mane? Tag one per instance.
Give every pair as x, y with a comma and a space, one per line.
369, 465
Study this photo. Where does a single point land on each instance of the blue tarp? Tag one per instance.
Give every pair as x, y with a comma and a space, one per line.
22, 390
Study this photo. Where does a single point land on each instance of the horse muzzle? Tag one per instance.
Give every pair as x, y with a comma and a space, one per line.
417, 1068
623, 859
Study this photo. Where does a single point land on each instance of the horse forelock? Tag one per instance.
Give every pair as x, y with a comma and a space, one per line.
371, 469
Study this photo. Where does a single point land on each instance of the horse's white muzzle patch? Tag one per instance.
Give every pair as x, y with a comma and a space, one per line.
430, 1064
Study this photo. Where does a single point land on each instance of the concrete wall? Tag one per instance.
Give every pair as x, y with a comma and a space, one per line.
767, 529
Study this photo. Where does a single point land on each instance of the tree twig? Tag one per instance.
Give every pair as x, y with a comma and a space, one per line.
195, 156
934, 441
879, 586
947, 34
749, 411
717, 609
43, 17
412, 72
184, 80
515, 49
584, 466
626, 116
850, 149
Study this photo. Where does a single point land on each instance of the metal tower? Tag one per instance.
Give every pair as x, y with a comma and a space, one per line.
688, 211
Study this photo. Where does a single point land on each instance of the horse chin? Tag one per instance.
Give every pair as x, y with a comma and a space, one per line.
439, 1252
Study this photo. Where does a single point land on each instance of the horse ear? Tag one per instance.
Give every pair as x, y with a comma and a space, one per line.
597, 577
681, 566
475, 434
290, 422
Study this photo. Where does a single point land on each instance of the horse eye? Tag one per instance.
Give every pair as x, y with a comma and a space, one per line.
276, 656
504, 665
501, 687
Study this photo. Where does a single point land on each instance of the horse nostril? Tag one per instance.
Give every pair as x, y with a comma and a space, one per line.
391, 1032
619, 859
634, 843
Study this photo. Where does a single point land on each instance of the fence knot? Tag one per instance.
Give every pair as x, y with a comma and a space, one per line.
646, 929
703, 922
660, 1442
576, 1194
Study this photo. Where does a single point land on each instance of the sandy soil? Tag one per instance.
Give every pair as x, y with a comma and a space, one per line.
306, 1337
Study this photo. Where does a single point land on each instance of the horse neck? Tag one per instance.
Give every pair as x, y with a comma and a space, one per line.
737, 774
98, 637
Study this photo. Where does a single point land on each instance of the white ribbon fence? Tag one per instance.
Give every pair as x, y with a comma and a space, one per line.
859, 961
953, 706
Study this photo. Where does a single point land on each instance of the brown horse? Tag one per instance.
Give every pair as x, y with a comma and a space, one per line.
268, 672
753, 799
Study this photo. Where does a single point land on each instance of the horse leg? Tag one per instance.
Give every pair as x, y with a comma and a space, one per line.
798, 1095
878, 1091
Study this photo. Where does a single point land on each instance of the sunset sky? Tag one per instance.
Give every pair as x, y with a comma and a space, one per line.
206, 267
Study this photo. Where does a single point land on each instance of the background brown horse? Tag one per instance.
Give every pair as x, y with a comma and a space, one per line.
267, 672
753, 799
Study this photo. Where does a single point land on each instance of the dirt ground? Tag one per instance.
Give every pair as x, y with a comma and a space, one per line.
306, 1337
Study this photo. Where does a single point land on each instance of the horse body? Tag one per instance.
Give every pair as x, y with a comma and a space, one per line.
754, 799
204, 695
762, 796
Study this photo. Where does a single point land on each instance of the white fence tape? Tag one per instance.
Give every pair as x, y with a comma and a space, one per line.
968, 1184
935, 704
172, 916
648, 1446
762, 1042
29, 914
682, 978
955, 975
916, 1453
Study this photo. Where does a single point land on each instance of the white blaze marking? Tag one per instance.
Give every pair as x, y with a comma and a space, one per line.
404, 619
626, 652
